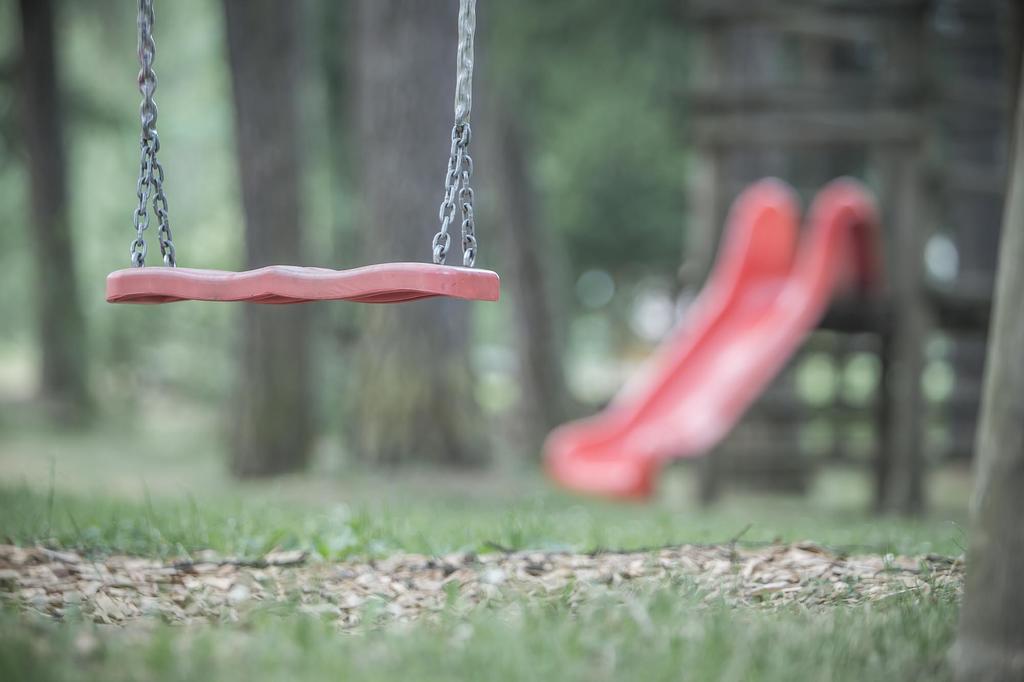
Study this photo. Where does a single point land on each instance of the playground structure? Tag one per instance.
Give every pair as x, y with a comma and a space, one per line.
809, 91
766, 294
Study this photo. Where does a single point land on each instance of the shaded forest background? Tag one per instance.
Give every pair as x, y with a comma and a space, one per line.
315, 133
561, 184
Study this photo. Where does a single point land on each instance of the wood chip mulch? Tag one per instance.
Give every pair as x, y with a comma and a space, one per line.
405, 587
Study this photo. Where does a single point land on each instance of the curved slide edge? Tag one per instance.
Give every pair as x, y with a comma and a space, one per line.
283, 284
763, 298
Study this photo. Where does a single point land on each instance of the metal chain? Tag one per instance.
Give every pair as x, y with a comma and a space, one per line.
150, 186
464, 62
459, 173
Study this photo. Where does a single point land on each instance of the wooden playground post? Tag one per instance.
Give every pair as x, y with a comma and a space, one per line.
901, 460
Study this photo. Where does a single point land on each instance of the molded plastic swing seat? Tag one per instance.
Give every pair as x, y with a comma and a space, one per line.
279, 284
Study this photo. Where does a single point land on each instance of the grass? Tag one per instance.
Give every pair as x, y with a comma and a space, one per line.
166, 499
666, 634
243, 526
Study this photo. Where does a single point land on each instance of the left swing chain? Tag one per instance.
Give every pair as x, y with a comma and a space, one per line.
150, 187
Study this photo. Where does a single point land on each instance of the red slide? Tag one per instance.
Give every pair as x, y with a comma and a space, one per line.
765, 295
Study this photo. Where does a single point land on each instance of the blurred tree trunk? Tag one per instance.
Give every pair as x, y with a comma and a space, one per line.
413, 385
335, 59
334, 19
273, 416
990, 645
542, 402
61, 326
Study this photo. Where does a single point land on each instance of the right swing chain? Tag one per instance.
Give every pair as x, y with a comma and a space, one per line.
150, 186
459, 173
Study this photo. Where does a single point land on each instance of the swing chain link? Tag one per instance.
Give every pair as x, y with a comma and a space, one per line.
457, 190
458, 194
150, 186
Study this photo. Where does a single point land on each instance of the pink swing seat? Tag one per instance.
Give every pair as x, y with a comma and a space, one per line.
279, 284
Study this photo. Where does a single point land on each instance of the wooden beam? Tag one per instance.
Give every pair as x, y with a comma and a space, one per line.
801, 129
838, 96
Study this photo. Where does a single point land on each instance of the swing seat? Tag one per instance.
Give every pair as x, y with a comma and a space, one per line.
279, 284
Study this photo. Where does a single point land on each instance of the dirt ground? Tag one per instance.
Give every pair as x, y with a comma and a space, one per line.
406, 587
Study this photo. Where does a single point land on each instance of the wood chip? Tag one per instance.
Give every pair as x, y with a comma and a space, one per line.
404, 587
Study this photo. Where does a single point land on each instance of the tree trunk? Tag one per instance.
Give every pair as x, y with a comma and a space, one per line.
273, 416
990, 644
63, 383
335, 61
413, 385
527, 279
